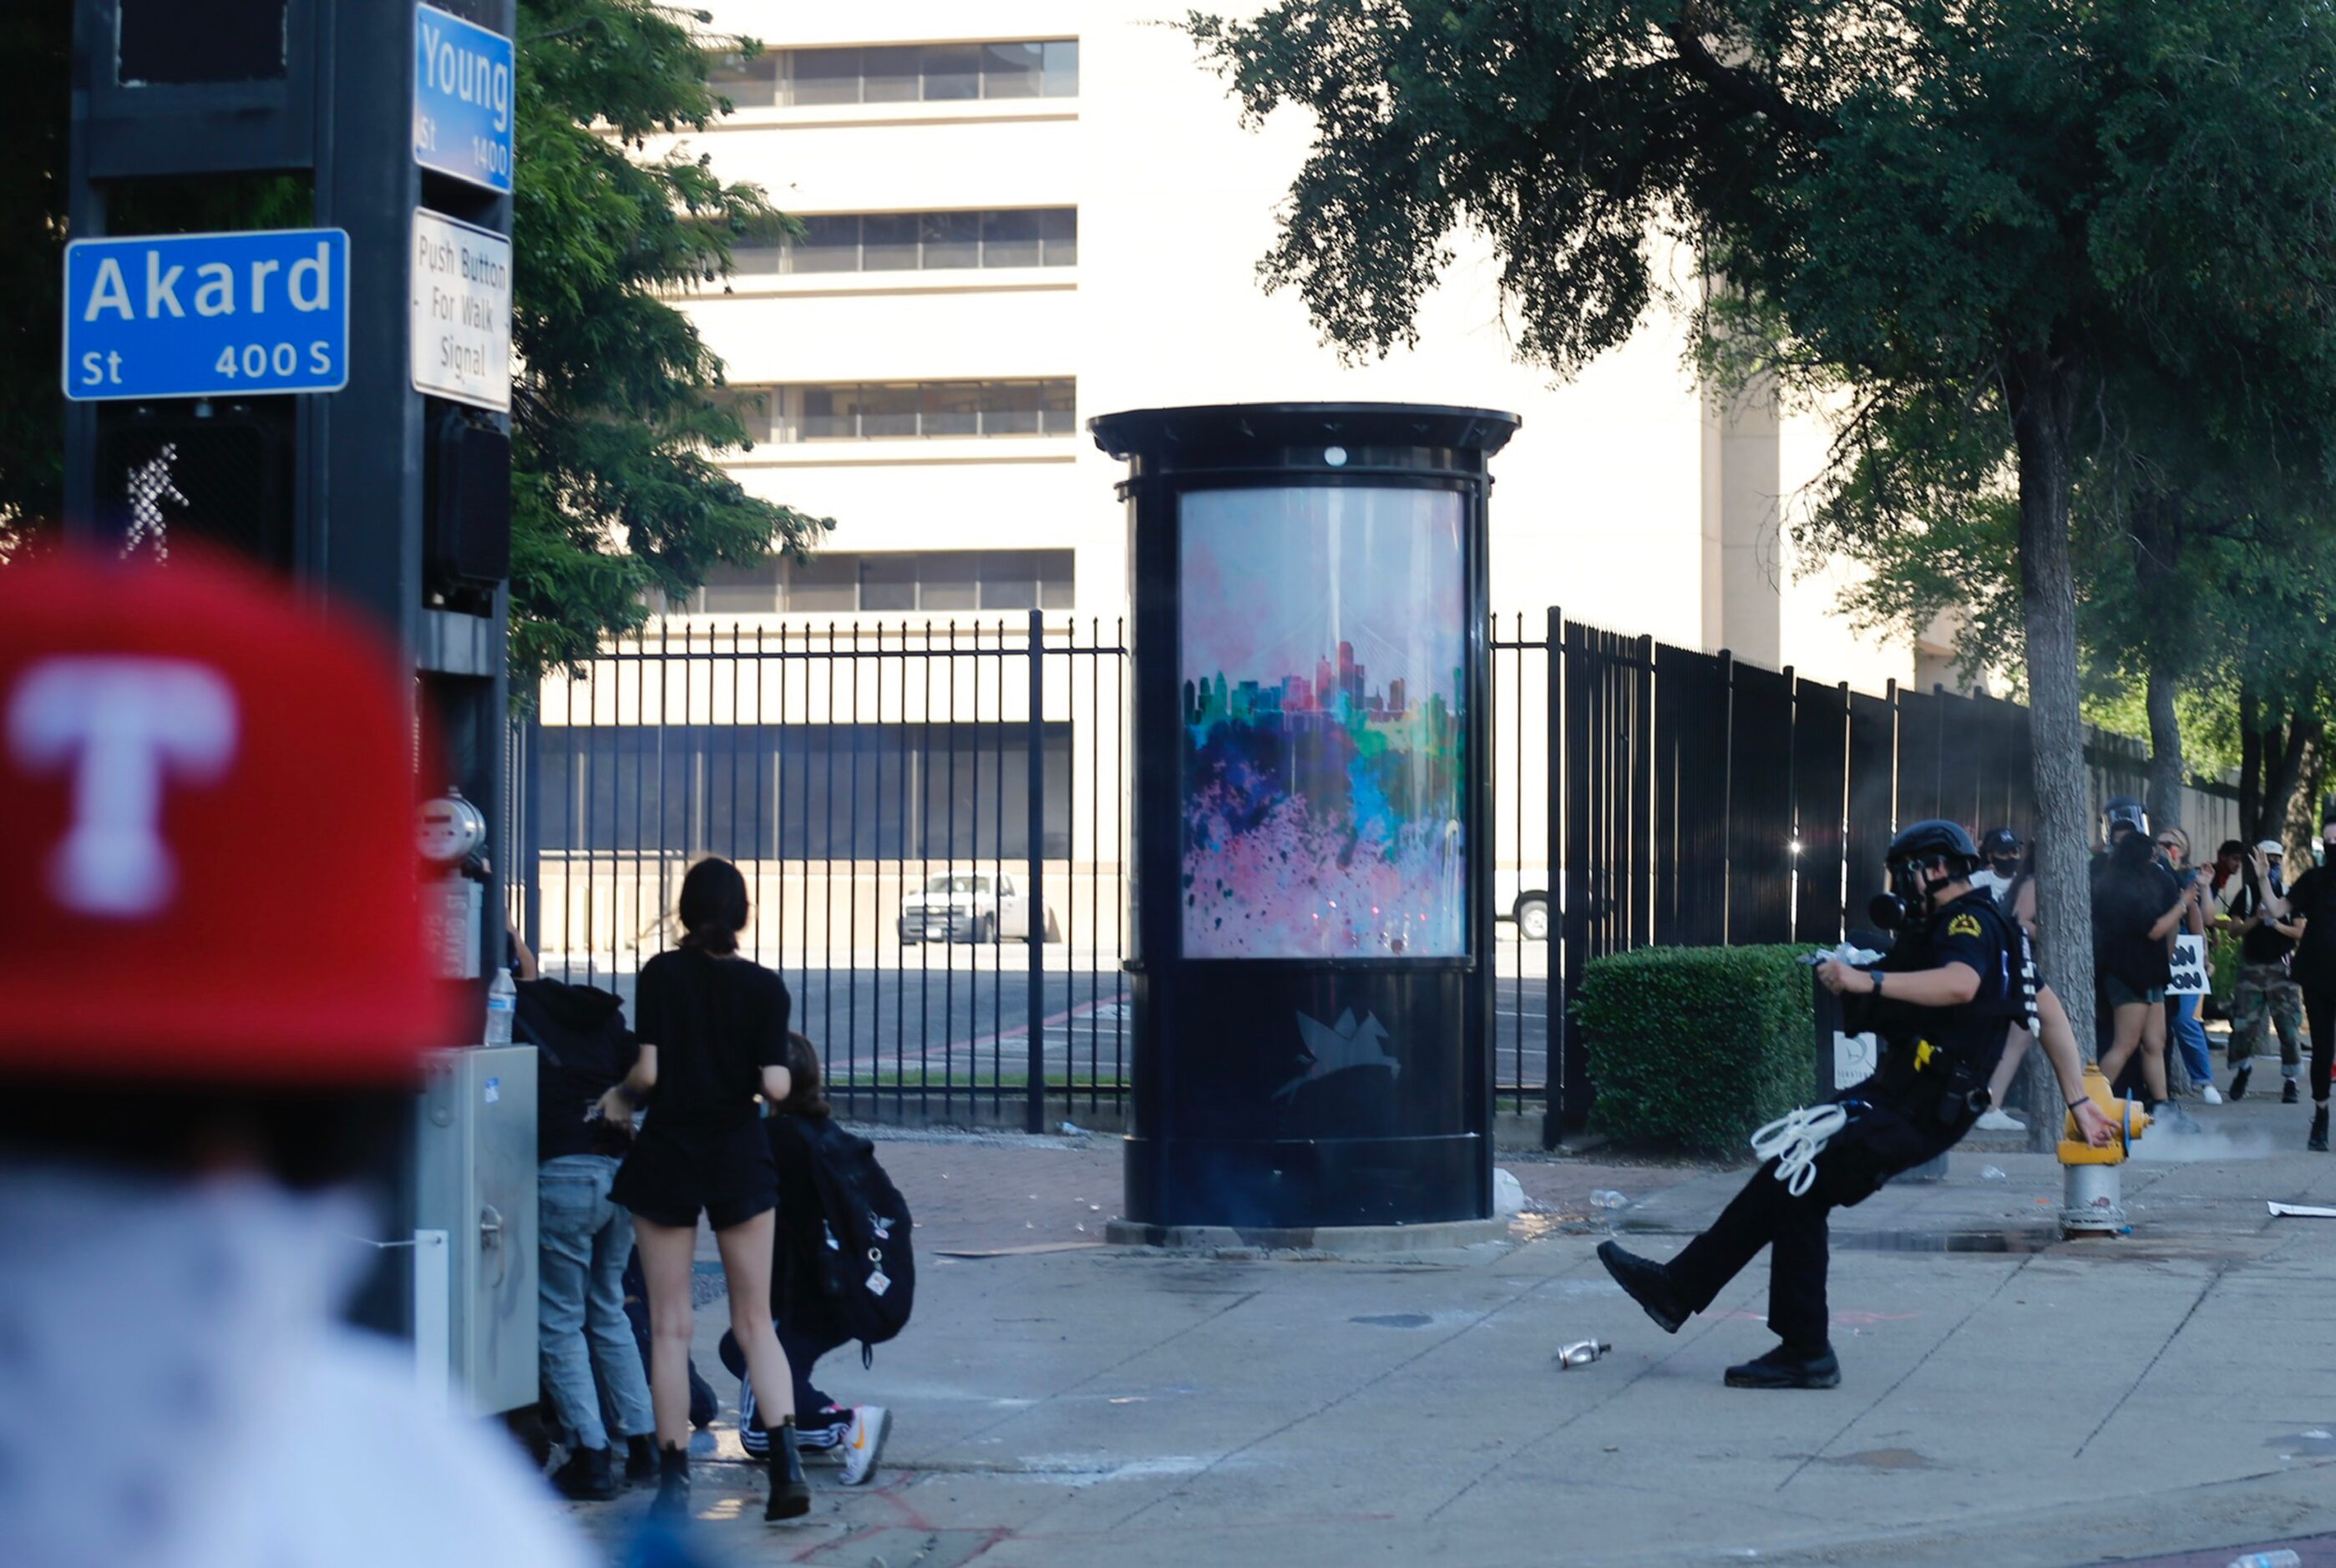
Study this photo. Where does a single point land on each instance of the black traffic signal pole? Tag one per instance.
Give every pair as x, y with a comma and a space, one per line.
163, 90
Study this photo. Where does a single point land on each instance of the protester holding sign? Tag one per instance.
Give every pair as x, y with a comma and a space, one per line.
2188, 981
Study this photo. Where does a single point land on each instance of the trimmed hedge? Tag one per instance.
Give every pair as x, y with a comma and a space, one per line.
1697, 1045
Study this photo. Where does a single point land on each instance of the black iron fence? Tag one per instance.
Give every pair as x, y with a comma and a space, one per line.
934, 821
1699, 800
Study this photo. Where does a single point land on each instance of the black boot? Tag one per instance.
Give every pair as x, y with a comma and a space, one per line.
1647, 1283
789, 1493
640, 1459
1786, 1368
2319, 1138
588, 1476
672, 1500
2287, 1095
2239, 1081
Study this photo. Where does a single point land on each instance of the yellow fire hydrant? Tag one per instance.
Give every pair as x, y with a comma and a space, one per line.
2092, 1191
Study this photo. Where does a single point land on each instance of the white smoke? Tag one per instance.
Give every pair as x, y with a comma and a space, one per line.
2160, 1147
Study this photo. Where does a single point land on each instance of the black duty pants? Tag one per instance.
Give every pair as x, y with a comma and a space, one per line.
2320, 1008
1886, 1134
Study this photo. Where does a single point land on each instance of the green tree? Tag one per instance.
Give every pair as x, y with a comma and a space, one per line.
1977, 219
619, 415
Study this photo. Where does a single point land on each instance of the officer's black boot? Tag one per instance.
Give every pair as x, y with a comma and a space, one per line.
640, 1459
1786, 1368
789, 1493
2319, 1138
1649, 1283
672, 1500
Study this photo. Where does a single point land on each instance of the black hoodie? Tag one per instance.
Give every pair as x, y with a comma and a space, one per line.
582, 1046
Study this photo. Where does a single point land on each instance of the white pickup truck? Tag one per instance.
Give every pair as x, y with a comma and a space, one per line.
965, 906
1521, 894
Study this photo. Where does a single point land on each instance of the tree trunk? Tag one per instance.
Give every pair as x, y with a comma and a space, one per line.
2155, 519
2284, 760
2042, 389
2250, 764
2167, 773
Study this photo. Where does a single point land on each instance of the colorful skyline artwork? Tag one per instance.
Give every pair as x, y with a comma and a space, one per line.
1324, 632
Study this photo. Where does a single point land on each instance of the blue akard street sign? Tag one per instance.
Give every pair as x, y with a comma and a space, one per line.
207, 315
461, 99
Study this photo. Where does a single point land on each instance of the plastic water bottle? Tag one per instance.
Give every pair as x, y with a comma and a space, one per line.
2283, 1558
1607, 1198
502, 1002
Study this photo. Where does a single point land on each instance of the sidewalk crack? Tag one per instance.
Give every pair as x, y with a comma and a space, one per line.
2204, 1291
1686, 1341
1919, 1362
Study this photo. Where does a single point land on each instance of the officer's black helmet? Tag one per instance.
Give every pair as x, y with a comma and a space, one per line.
1920, 841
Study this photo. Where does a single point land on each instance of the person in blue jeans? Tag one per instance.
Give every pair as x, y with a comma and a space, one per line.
588, 1355
2183, 1026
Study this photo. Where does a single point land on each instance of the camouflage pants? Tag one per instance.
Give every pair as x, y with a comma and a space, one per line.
2266, 995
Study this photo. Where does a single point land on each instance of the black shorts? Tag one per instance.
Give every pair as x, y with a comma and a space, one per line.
673, 1173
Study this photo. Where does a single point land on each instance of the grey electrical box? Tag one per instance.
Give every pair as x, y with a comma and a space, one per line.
476, 1154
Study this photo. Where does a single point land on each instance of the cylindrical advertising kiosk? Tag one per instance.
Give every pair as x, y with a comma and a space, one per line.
1311, 888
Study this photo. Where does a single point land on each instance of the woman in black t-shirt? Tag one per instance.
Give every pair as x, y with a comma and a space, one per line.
2137, 908
713, 1030
2312, 901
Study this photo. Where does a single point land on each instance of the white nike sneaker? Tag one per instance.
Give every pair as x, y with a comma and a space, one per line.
1998, 1121
2210, 1094
863, 1444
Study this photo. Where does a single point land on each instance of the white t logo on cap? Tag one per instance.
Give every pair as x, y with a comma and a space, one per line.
123, 723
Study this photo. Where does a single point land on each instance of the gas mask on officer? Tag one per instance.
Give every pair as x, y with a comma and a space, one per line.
1910, 891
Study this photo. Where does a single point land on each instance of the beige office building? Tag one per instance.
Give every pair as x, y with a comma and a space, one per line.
1023, 213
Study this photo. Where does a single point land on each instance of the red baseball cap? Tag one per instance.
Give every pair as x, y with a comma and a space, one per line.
207, 863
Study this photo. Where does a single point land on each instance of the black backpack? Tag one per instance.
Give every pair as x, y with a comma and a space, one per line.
867, 1273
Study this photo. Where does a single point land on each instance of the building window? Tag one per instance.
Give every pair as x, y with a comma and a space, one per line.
803, 791
896, 410
843, 583
902, 74
921, 241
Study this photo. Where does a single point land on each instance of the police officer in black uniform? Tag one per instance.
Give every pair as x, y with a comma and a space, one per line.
1943, 1002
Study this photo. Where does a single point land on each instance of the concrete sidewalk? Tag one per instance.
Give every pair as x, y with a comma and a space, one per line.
2173, 1391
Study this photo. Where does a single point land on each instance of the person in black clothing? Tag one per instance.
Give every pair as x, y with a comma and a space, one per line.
713, 1030
1942, 1002
2312, 901
2137, 906
808, 1324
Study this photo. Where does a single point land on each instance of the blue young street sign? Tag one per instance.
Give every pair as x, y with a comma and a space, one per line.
207, 315
461, 99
